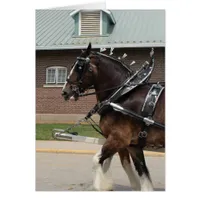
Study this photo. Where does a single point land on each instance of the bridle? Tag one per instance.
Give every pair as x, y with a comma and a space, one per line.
81, 69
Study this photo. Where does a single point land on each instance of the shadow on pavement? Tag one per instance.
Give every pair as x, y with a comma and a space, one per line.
89, 187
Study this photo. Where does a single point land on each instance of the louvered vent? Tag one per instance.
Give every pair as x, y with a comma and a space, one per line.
90, 23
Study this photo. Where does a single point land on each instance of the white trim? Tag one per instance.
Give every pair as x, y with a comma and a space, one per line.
110, 14
107, 11
87, 10
58, 67
97, 46
90, 10
53, 85
74, 12
79, 24
101, 23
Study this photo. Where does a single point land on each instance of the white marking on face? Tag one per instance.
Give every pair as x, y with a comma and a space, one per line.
64, 86
72, 70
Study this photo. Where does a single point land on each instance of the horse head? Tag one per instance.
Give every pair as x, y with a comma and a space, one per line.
81, 76
94, 69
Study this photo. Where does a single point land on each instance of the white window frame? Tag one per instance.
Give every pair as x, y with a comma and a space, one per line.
56, 75
47, 82
101, 22
79, 28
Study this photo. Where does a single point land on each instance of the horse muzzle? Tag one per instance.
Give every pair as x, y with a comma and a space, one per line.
65, 95
72, 96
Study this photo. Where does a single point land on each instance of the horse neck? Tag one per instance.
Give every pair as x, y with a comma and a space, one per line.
110, 74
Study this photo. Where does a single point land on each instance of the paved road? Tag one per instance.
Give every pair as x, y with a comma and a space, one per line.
73, 172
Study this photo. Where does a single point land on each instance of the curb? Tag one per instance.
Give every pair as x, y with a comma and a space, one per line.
66, 151
146, 153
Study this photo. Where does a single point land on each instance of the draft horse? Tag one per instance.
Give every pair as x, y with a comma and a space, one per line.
106, 74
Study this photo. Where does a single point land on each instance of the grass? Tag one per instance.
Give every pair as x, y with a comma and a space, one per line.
44, 131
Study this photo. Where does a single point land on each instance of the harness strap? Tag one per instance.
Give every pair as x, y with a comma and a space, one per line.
148, 109
92, 87
93, 124
125, 111
142, 136
112, 88
147, 120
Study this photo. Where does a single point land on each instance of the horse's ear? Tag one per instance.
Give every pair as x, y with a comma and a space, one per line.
89, 48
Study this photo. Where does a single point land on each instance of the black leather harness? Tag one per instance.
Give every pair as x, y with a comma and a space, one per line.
148, 109
151, 100
138, 78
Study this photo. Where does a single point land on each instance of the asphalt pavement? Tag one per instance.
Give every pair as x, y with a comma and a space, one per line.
67, 166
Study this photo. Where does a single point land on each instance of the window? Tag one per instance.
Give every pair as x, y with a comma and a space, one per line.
90, 23
56, 75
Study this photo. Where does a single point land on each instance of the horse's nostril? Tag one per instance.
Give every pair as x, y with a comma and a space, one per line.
63, 93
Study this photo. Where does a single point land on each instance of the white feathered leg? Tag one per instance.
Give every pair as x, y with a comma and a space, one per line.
146, 184
140, 165
126, 163
135, 184
102, 175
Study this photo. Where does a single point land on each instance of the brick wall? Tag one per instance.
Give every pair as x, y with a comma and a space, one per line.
50, 101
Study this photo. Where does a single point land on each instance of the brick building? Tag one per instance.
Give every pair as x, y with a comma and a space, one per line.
61, 34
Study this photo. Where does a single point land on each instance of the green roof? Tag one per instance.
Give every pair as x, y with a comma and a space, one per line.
133, 28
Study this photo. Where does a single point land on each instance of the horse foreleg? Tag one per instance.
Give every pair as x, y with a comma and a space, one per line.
126, 163
102, 176
140, 165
